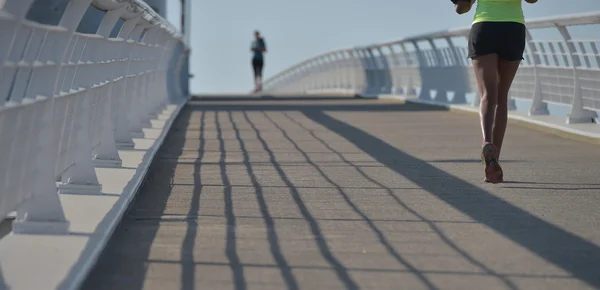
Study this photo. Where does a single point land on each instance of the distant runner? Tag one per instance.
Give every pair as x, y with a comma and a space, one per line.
258, 48
496, 46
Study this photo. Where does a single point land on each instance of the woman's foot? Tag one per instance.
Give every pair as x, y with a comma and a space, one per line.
489, 156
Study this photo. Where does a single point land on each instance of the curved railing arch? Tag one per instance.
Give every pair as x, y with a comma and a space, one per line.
433, 66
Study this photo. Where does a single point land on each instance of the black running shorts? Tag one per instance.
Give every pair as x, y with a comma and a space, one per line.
257, 66
506, 39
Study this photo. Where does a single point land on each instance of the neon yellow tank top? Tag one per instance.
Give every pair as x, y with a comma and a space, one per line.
499, 11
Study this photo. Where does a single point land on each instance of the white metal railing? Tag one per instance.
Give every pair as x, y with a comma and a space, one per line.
564, 70
69, 100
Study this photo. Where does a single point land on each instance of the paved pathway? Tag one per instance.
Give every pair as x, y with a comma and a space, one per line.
342, 193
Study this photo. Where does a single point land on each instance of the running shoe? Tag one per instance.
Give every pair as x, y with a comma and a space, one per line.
493, 171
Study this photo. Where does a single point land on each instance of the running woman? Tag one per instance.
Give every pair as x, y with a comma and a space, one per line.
496, 46
258, 48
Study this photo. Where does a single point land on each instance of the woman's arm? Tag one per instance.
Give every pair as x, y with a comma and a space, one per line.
464, 6
531, 1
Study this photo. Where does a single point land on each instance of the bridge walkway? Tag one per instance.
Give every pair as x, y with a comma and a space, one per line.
345, 193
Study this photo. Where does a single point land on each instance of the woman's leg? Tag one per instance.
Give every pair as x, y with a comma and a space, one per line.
486, 73
260, 70
506, 74
256, 72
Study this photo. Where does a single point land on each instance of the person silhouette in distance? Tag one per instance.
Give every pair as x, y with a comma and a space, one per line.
258, 49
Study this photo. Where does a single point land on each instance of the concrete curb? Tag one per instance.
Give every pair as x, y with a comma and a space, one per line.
565, 131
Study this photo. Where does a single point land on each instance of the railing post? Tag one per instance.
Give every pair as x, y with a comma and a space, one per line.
81, 176
147, 94
310, 66
316, 83
393, 65
166, 52
303, 85
347, 67
460, 89
326, 78
384, 73
360, 73
371, 68
364, 71
344, 85
43, 213
453, 51
306, 79
341, 64
424, 93
477, 99
322, 81
538, 106
409, 90
337, 71
578, 114
432, 76
109, 21
134, 83
350, 66
16, 12
123, 136
316, 67
313, 71
107, 154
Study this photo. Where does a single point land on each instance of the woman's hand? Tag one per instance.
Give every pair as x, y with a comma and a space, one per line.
464, 6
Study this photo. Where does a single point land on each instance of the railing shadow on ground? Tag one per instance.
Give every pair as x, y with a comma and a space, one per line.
485, 269
566, 250
272, 236
324, 249
121, 251
233, 258
383, 239
557, 246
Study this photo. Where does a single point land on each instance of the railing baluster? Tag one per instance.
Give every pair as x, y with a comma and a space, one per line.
106, 154
550, 73
578, 114
64, 96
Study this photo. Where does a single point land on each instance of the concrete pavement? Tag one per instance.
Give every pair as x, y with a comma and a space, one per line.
344, 193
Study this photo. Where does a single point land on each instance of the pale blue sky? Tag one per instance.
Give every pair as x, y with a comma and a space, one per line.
296, 30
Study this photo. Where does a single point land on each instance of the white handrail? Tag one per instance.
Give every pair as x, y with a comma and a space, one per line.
565, 70
69, 100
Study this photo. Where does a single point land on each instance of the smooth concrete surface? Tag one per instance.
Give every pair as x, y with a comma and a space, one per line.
32, 262
281, 193
589, 132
